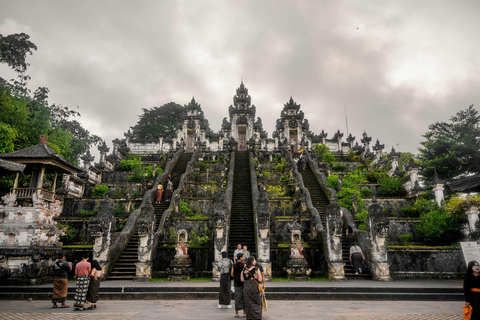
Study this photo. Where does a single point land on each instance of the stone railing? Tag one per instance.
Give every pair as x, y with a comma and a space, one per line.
27, 193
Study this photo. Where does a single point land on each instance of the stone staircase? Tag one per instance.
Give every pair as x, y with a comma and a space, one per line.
318, 196
242, 227
349, 271
125, 268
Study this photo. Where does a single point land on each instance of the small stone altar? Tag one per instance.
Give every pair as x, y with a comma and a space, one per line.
297, 266
180, 266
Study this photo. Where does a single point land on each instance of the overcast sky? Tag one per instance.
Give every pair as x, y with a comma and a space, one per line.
394, 66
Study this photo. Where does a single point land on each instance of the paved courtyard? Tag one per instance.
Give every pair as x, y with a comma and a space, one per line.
207, 309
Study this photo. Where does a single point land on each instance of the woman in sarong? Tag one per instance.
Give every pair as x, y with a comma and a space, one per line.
94, 286
82, 272
225, 269
169, 191
60, 281
350, 236
251, 277
159, 193
471, 287
357, 258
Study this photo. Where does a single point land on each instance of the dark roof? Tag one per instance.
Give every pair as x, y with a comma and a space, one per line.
41, 154
468, 184
10, 167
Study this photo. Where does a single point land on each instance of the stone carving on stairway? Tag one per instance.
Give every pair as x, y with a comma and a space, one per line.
377, 227
297, 266
180, 266
334, 229
146, 233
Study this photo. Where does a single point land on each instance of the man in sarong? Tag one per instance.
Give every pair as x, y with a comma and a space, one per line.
60, 281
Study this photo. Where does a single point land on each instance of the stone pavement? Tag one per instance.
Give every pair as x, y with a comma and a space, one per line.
207, 309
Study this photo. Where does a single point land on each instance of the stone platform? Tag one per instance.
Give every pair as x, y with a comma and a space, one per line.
359, 290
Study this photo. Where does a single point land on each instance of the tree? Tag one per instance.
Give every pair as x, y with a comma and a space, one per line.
14, 49
452, 148
158, 121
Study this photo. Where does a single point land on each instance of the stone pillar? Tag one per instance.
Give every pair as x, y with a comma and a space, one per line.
146, 233
220, 235
377, 227
334, 224
40, 180
102, 228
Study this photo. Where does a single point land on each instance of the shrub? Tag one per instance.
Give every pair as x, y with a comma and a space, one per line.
118, 210
339, 167
285, 177
353, 179
147, 172
185, 209
100, 191
362, 216
196, 241
437, 227
356, 159
202, 166
83, 213
404, 238
119, 193
332, 181
392, 187
280, 166
344, 198
130, 162
321, 149
328, 158
366, 193
420, 206
275, 191
374, 176
119, 227
69, 236
266, 174
350, 155
159, 171
458, 206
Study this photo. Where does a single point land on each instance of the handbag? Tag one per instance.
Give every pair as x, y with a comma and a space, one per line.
264, 302
260, 288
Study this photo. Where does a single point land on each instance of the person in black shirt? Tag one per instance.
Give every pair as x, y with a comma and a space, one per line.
60, 281
471, 287
260, 267
238, 284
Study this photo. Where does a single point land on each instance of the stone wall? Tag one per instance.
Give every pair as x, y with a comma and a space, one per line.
402, 227
314, 256
408, 263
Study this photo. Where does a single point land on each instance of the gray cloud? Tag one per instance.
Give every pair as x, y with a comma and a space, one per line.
395, 66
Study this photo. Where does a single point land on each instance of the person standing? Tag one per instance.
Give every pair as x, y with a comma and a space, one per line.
246, 253
82, 272
350, 236
169, 191
94, 286
471, 287
356, 258
251, 277
60, 281
159, 193
237, 251
225, 269
260, 268
238, 284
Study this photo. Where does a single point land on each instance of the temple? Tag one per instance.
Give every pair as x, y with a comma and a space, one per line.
276, 195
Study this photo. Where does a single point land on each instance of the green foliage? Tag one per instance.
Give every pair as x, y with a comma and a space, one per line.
266, 174
100, 191
159, 171
373, 176
366, 193
362, 216
158, 121
83, 213
280, 166
332, 181
339, 167
202, 166
14, 49
196, 241
404, 238
118, 210
70, 234
130, 162
285, 177
362, 226
420, 207
119, 227
404, 159
451, 148
437, 227
392, 187
458, 206
173, 235
274, 191
353, 179
185, 209
344, 198
321, 149
328, 158
350, 155
119, 193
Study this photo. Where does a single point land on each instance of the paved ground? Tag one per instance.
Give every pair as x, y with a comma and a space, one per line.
207, 309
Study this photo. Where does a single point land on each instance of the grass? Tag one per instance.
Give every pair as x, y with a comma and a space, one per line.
410, 246
199, 279
314, 279
76, 246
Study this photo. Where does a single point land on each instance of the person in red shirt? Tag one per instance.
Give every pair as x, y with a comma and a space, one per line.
82, 272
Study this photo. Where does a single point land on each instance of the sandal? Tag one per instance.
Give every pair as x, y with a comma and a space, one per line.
78, 309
